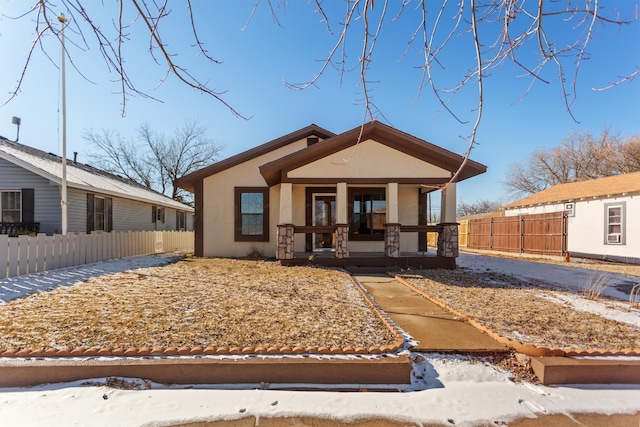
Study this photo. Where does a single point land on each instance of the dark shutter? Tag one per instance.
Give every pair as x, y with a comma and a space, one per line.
90, 212
28, 215
109, 213
153, 213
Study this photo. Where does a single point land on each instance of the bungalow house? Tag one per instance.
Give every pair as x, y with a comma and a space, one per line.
339, 199
30, 196
602, 215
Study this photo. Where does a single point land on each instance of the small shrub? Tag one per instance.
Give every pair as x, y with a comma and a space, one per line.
592, 289
634, 296
254, 253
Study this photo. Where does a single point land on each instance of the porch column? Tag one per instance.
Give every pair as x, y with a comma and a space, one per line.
285, 241
392, 227
286, 203
448, 237
285, 233
342, 221
392, 240
448, 240
448, 204
392, 203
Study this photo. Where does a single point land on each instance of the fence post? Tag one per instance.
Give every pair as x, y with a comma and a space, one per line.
32, 250
23, 258
521, 233
4, 255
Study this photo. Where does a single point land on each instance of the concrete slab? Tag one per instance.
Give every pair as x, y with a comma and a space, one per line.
568, 370
435, 329
20, 372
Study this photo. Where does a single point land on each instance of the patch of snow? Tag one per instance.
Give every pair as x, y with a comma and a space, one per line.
447, 389
607, 309
619, 285
25, 285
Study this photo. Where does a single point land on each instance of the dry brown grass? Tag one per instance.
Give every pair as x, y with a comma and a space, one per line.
213, 302
522, 311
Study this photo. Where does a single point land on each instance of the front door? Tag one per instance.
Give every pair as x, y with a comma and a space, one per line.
324, 214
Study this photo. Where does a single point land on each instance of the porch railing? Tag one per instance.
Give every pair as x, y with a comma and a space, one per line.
16, 228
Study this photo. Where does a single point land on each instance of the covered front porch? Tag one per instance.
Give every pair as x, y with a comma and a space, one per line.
343, 228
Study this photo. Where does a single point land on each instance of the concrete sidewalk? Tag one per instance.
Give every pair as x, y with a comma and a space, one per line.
434, 329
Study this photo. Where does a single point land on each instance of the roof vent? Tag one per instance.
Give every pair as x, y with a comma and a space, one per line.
312, 140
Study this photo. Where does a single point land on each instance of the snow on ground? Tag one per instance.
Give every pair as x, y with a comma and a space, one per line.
22, 286
619, 285
446, 389
450, 390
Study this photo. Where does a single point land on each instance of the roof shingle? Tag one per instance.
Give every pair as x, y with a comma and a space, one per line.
596, 188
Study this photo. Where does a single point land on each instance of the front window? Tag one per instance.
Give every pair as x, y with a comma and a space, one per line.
252, 219
100, 214
10, 205
182, 220
614, 223
369, 212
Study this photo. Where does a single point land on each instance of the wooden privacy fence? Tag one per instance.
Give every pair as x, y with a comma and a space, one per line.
540, 234
32, 254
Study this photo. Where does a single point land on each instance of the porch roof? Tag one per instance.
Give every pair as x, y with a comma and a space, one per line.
276, 171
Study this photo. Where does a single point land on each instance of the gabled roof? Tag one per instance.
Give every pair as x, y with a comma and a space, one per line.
81, 176
611, 186
274, 172
187, 182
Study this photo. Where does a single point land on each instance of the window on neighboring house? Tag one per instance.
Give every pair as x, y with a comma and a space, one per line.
10, 205
615, 223
369, 212
157, 214
181, 221
252, 214
99, 213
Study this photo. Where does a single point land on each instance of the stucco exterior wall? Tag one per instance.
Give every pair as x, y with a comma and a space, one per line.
369, 159
218, 219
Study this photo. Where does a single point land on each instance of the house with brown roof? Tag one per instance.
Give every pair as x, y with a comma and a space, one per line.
602, 215
338, 199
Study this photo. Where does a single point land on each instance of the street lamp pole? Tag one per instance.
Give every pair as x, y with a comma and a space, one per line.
63, 196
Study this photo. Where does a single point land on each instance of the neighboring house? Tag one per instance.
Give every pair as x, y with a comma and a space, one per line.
30, 196
358, 194
602, 215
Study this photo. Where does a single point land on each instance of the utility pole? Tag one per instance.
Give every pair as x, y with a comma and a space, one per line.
63, 196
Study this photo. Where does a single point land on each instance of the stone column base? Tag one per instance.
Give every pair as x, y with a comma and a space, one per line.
448, 241
342, 241
285, 241
392, 240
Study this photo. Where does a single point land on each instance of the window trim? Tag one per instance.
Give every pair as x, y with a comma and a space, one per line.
623, 219
361, 237
2, 208
238, 236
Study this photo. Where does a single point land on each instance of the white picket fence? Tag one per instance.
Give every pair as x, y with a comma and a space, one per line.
25, 254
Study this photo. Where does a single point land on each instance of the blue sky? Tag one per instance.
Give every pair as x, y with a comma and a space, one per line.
259, 58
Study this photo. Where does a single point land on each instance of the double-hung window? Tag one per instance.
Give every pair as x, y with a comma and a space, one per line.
368, 213
11, 206
252, 214
614, 223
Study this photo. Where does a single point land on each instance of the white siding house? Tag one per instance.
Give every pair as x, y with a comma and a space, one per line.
603, 215
30, 195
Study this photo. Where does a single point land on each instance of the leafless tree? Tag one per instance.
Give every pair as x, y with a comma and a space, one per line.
154, 160
581, 156
478, 207
532, 34
547, 40
86, 33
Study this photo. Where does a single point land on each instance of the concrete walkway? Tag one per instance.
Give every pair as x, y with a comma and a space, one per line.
434, 329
